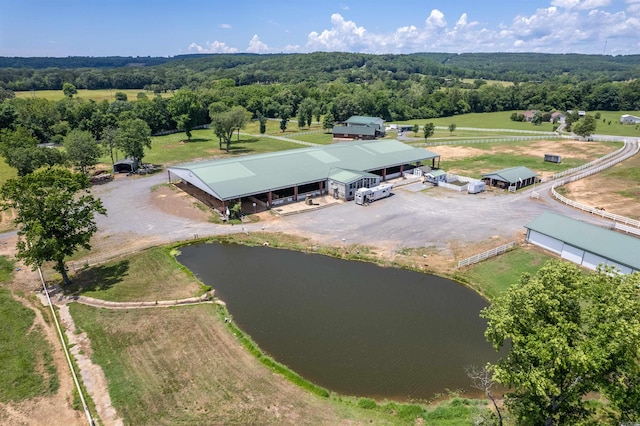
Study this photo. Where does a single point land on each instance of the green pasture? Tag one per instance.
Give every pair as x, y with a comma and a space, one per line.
175, 148
490, 82
609, 124
26, 365
96, 95
486, 120
493, 276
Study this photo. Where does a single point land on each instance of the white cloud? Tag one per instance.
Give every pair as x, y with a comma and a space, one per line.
225, 26
436, 20
257, 46
212, 47
581, 4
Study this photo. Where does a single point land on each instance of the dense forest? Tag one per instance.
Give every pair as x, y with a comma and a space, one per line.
329, 85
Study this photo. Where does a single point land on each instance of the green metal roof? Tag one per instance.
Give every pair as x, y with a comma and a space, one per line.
348, 176
436, 173
354, 130
363, 120
621, 248
254, 174
511, 175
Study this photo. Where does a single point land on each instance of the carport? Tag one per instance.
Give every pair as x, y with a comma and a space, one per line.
126, 165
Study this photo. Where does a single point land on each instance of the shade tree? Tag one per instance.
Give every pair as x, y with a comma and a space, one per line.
54, 213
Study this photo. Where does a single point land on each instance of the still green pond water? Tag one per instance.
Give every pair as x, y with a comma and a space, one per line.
352, 327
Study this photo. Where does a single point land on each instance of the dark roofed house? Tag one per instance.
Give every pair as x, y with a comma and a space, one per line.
360, 127
512, 178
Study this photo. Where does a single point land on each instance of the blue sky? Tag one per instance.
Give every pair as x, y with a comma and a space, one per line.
169, 28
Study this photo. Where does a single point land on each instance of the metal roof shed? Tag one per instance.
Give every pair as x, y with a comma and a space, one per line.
584, 243
512, 177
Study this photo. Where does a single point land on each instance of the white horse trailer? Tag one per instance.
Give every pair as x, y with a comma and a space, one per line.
368, 195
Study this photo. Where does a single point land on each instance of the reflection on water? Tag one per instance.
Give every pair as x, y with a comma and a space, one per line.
352, 327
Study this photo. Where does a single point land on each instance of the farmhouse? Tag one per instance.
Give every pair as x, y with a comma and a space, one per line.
512, 178
359, 127
583, 243
288, 176
629, 119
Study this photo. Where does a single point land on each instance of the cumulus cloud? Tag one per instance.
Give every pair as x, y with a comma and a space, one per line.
257, 46
225, 26
212, 47
581, 26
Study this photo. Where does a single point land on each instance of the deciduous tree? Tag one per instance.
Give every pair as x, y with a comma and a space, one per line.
82, 150
452, 128
186, 110
586, 126
429, 130
567, 334
54, 213
133, 137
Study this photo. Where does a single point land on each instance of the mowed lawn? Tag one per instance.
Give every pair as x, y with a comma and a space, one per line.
495, 275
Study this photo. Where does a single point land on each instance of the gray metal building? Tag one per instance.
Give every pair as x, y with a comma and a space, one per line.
583, 243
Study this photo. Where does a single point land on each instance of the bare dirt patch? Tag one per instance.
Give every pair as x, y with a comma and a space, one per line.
169, 199
565, 148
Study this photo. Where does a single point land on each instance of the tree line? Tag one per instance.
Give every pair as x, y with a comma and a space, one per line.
160, 74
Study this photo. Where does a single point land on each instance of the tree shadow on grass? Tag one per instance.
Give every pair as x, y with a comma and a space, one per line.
198, 140
98, 278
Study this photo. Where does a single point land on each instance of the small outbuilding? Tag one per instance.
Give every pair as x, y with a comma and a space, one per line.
583, 243
629, 119
553, 158
435, 176
360, 127
126, 165
512, 178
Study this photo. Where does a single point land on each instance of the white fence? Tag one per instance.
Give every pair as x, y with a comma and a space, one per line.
453, 187
590, 164
627, 229
593, 210
487, 254
489, 140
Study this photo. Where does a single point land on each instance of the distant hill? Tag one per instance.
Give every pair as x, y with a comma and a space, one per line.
168, 73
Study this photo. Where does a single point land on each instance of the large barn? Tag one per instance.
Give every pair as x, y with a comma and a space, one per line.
288, 176
583, 243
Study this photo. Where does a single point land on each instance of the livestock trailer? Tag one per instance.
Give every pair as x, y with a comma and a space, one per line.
368, 195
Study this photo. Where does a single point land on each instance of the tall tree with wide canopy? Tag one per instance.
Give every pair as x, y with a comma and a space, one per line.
186, 110
586, 126
568, 334
55, 215
82, 150
225, 123
132, 137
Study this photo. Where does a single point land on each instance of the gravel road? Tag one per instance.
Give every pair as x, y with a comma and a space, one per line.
415, 216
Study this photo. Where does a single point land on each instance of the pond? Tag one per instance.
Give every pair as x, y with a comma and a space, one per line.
352, 327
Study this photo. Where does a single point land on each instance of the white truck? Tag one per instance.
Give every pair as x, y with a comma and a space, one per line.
367, 195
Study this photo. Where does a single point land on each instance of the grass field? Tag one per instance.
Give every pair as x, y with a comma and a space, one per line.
26, 364
96, 95
493, 276
487, 120
149, 276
